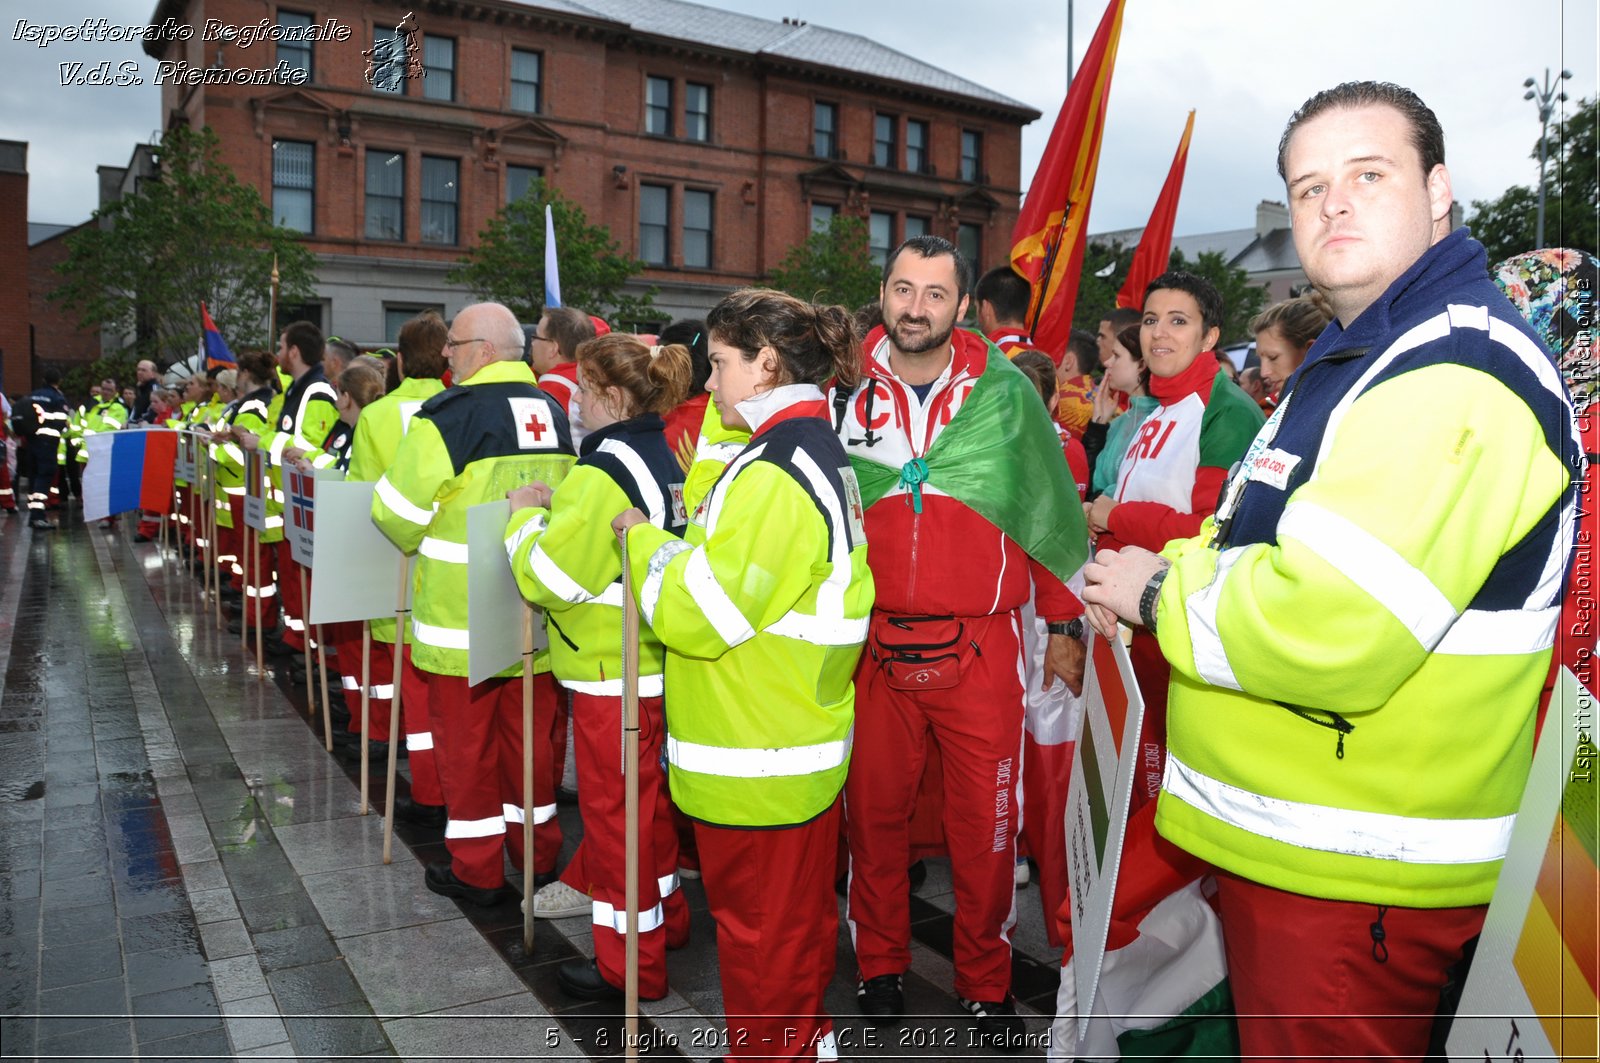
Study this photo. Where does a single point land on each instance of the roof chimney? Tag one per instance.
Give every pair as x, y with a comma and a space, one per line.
1271, 216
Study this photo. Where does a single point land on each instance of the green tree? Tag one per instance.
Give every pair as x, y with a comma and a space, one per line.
1241, 299
1508, 224
507, 266
832, 265
1097, 296
195, 233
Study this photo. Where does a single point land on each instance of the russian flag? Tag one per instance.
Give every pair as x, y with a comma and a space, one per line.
129, 470
217, 354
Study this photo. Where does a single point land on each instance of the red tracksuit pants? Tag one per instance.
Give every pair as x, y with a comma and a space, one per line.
416, 721
597, 867
477, 736
256, 563
1310, 982
977, 726
294, 604
771, 894
1046, 775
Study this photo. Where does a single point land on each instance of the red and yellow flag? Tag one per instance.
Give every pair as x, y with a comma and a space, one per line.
1155, 245
1047, 244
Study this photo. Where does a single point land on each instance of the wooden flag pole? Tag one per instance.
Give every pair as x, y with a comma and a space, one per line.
366, 710
394, 707
630, 774
527, 779
322, 667
261, 655
244, 579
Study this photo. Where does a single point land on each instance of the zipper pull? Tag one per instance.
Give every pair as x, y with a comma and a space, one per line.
1338, 750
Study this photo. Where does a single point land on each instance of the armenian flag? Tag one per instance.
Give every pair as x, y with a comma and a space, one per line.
217, 354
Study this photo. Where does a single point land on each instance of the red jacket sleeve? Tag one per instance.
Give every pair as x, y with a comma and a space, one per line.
1153, 525
1053, 599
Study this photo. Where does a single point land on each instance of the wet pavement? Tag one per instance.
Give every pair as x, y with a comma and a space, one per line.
185, 873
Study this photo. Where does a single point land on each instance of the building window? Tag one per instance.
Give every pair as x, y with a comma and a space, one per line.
969, 240
697, 214
822, 215
294, 183
658, 106
295, 53
526, 68
389, 60
883, 140
386, 195
519, 181
439, 199
916, 226
917, 146
971, 155
397, 314
697, 111
289, 313
880, 236
825, 131
438, 68
654, 202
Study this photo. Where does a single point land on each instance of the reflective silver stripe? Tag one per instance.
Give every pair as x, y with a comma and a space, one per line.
541, 813
713, 601
292, 623
266, 591
381, 690
554, 579
617, 918
446, 638
650, 686
349, 682
400, 505
1210, 656
738, 763
1374, 566
443, 550
534, 526
655, 505
422, 740
820, 631
655, 571
274, 522
1376, 835
830, 595
1490, 633
667, 885
275, 449
234, 451
475, 828
233, 490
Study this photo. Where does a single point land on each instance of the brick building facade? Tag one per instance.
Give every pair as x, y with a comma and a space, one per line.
16, 369
707, 142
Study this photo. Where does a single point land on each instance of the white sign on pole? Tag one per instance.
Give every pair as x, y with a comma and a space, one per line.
1104, 764
255, 490
185, 468
357, 565
494, 605
1531, 991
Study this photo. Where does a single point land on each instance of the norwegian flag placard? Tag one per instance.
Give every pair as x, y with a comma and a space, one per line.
299, 524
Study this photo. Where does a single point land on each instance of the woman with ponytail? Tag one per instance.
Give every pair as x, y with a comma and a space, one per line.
1284, 332
567, 561
763, 609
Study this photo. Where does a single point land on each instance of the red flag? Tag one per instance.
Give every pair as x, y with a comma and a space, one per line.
1047, 244
1155, 245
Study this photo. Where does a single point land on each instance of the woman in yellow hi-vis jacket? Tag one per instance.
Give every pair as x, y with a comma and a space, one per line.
567, 560
763, 609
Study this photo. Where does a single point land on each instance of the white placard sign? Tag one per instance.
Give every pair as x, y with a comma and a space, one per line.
494, 605
358, 570
299, 509
255, 490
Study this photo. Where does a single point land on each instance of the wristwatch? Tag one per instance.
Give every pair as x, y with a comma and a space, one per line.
1150, 597
1073, 628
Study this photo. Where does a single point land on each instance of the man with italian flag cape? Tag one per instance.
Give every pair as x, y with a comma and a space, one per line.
970, 510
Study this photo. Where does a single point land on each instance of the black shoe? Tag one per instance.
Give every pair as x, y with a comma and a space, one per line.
407, 810
41, 523
999, 1025
377, 752
917, 873
276, 647
141, 537
441, 879
544, 878
881, 998
565, 796
582, 979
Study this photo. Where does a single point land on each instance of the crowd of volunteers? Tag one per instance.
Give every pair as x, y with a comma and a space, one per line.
868, 567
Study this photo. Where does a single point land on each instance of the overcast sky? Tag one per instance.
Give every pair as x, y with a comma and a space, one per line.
1244, 65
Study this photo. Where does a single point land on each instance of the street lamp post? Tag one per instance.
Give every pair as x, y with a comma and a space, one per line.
1546, 99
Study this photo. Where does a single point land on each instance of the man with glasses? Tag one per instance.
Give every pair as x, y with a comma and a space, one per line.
492, 432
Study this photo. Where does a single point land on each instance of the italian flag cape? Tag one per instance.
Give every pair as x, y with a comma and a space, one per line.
999, 457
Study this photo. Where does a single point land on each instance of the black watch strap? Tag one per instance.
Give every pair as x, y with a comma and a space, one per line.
1150, 598
1073, 628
